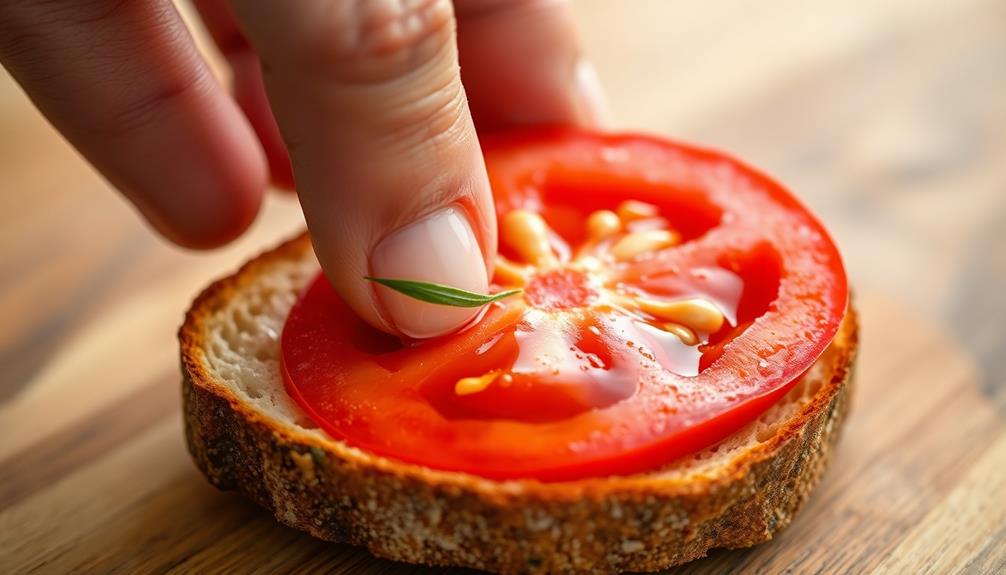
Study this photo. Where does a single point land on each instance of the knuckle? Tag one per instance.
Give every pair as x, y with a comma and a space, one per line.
151, 105
86, 12
28, 30
477, 9
76, 54
437, 118
376, 41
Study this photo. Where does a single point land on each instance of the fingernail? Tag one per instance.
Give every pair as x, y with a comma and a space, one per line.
593, 105
440, 248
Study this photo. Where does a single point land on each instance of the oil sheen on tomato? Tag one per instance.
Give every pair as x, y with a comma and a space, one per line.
583, 375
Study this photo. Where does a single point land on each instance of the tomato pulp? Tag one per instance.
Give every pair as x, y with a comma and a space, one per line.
583, 375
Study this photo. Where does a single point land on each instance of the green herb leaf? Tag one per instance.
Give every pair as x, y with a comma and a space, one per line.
441, 294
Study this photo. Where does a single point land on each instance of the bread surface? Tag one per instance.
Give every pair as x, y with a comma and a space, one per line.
245, 433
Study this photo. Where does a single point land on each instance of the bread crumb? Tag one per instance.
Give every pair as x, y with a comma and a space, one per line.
305, 463
539, 523
632, 546
616, 510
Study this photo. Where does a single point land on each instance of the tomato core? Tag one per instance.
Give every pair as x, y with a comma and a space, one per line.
671, 295
560, 289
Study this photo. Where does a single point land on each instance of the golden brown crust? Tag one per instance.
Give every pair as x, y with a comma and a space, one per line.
414, 514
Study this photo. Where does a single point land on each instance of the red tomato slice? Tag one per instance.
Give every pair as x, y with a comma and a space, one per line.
585, 386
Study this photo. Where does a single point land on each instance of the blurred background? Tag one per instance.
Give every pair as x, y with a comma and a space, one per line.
888, 117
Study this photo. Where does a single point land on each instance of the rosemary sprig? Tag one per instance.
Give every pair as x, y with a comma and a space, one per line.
441, 294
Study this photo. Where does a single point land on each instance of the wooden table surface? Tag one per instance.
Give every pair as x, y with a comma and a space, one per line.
888, 117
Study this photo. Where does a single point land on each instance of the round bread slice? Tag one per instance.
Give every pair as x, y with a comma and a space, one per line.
245, 433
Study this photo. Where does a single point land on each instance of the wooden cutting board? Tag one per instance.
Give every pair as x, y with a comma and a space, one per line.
886, 116
917, 483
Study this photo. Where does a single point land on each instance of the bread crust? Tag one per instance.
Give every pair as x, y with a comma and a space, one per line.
410, 513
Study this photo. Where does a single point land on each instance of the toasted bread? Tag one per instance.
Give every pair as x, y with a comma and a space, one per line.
245, 433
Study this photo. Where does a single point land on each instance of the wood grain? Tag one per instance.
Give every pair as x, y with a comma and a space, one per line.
887, 117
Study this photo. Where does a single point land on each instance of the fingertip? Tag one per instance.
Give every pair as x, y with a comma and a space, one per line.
592, 108
216, 189
441, 248
234, 213
223, 211
523, 64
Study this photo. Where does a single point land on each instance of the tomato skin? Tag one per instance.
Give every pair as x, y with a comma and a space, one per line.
398, 400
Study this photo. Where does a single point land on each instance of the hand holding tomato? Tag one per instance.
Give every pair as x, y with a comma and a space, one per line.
376, 126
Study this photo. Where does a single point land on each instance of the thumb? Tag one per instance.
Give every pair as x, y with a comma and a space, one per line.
385, 156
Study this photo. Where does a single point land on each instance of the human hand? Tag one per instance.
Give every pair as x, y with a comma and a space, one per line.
368, 98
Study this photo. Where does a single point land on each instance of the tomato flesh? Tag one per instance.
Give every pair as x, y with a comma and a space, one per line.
587, 388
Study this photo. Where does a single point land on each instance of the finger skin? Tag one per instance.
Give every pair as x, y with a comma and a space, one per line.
370, 102
522, 63
124, 84
247, 85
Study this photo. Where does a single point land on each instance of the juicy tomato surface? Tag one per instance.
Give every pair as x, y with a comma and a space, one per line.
678, 296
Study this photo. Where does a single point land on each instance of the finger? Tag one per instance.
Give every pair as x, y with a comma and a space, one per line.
248, 89
124, 84
522, 63
388, 166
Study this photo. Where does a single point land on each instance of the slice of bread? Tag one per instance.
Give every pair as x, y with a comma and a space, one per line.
245, 433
